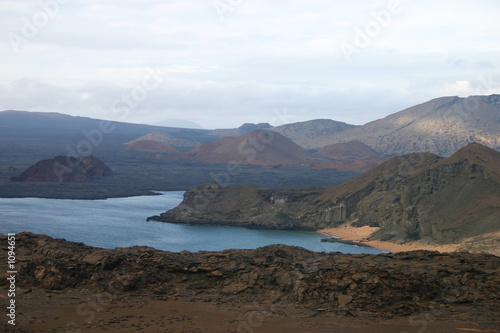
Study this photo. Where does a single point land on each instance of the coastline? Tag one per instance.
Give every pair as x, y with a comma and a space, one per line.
361, 235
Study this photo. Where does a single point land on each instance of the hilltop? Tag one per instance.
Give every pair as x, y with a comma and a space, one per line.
165, 139
308, 134
243, 129
351, 150
158, 142
260, 147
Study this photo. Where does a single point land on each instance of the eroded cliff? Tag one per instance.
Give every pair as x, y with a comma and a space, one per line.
418, 196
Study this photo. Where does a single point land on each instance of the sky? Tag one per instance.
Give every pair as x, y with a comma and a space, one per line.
222, 63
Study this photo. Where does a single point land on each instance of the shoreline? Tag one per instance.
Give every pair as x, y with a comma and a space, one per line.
362, 234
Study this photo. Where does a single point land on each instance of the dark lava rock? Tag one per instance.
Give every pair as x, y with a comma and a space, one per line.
366, 285
65, 169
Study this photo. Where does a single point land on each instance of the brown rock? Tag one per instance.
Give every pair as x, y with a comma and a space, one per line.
344, 300
390, 284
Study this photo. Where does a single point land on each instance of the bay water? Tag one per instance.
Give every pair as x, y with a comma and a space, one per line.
121, 222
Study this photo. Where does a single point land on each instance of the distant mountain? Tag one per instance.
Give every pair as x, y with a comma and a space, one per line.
65, 169
260, 147
349, 156
359, 165
150, 146
156, 140
418, 196
19, 123
441, 126
243, 129
311, 134
180, 123
351, 150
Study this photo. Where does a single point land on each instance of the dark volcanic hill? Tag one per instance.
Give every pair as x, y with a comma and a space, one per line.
418, 196
261, 147
441, 126
65, 169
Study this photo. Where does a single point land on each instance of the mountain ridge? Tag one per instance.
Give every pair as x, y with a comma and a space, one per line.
305, 133
441, 126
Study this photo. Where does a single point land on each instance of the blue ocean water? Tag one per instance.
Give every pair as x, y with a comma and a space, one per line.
121, 222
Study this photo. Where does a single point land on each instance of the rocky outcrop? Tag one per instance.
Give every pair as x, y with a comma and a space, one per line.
412, 197
65, 169
379, 286
247, 206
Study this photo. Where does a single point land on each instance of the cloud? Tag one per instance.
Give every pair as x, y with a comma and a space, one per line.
262, 56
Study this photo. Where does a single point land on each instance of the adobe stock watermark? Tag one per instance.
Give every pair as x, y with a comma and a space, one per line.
221, 7
421, 321
131, 100
462, 111
363, 36
31, 26
121, 107
11, 279
87, 311
255, 318
281, 117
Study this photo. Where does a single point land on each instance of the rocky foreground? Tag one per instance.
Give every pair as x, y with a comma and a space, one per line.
461, 285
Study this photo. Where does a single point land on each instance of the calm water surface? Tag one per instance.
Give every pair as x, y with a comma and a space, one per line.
121, 222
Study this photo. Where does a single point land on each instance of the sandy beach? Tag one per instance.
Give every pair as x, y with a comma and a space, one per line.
362, 234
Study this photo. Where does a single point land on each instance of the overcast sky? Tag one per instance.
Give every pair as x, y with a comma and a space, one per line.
221, 63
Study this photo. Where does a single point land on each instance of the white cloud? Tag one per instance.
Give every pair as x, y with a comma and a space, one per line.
264, 55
